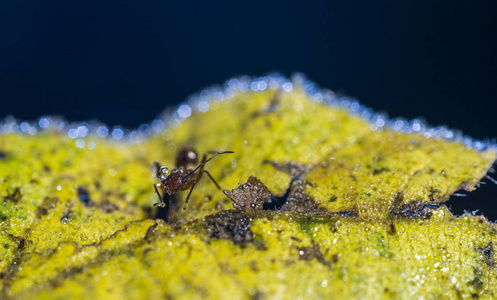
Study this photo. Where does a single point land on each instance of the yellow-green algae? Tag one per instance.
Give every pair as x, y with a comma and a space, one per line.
56, 246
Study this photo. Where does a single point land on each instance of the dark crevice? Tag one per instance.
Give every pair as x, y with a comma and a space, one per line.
415, 209
294, 196
482, 201
411, 209
277, 202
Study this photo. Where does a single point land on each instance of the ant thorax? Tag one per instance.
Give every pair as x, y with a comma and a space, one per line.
175, 181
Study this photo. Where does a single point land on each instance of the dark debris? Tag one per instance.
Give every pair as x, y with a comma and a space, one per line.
108, 206
292, 168
46, 206
309, 253
414, 210
66, 215
230, 225
250, 195
15, 196
393, 228
300, 202
84, 196
488, 252
411, 209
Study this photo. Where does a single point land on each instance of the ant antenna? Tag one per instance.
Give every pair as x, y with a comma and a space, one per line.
157, 169
204, 162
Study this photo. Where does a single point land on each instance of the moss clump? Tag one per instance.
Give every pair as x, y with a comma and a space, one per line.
80, 223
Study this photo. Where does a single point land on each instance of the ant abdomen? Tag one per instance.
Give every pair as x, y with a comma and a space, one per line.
186, 156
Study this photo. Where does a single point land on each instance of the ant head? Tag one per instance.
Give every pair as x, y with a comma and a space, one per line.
163, 173
160, 172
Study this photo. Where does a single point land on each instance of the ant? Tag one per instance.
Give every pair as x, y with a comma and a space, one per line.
180, 178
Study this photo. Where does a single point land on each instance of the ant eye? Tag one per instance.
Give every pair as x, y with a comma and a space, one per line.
164, 172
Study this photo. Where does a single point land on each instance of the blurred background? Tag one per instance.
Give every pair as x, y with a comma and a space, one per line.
123, 62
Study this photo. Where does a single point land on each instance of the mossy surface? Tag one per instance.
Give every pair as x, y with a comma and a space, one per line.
80, 223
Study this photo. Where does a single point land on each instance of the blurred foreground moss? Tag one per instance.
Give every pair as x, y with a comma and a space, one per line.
361, 218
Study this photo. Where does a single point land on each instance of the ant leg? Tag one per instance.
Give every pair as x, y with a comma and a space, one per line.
210, 176
170, 208
188, 197
157, 169
161, 203
201, 165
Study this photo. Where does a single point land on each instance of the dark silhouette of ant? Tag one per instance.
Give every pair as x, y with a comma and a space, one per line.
182, 178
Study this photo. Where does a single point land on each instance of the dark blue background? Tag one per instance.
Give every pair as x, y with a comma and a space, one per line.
122, 62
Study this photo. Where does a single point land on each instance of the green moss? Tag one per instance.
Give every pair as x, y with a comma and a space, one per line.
361, 231
436, 258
